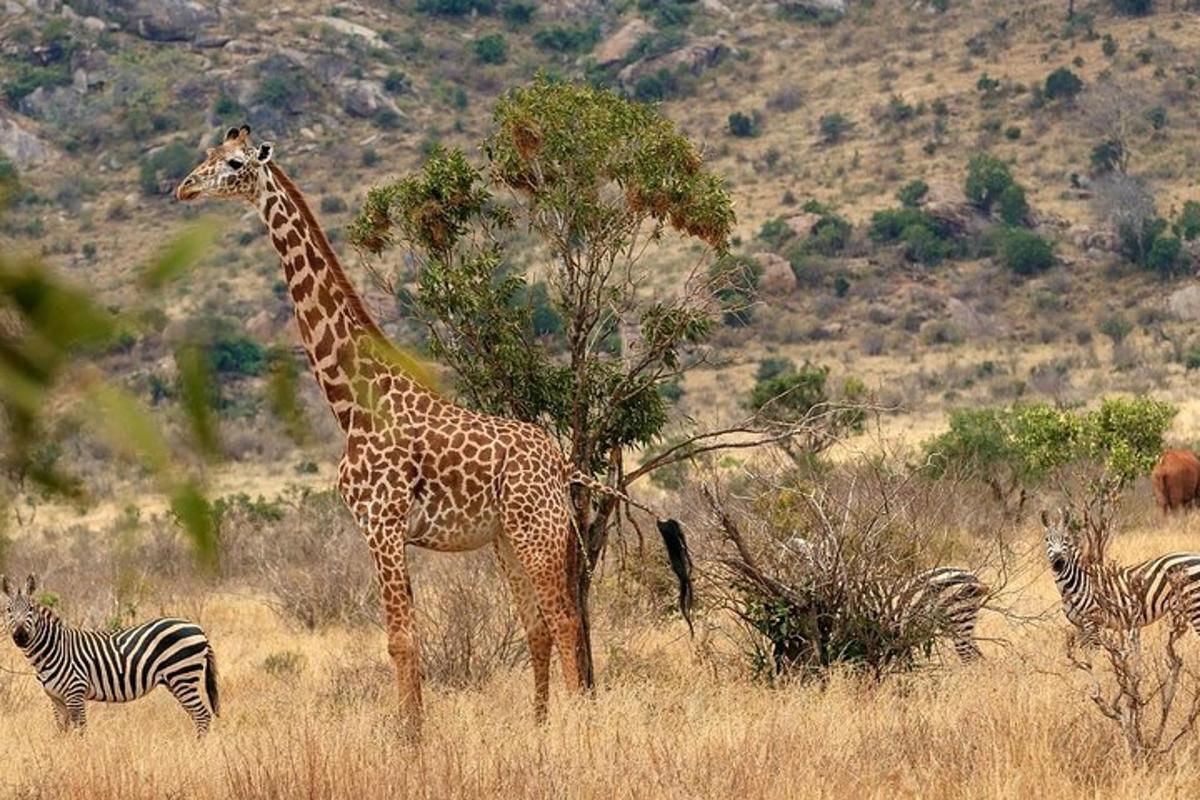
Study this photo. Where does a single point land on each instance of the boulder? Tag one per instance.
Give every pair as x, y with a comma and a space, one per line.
617, 47
777, 277
947, 203
22, 146
802, 224
1185, 303
694, 57
1099, 239
363, 98
156, 20
813, 8
348, 28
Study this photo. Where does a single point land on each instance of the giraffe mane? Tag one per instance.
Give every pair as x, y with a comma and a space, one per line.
353, 299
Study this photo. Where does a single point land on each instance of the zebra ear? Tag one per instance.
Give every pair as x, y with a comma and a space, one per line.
4, 586
1045, 519
31, 584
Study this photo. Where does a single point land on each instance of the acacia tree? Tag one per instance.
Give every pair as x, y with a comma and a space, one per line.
600, 182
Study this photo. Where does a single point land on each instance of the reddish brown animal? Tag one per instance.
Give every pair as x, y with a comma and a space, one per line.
1176, 480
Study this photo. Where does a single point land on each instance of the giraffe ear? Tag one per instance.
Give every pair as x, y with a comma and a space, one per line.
264, 152
31, 584
232, 133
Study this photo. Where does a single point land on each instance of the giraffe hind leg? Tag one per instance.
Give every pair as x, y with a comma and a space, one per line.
544, 558
536, 631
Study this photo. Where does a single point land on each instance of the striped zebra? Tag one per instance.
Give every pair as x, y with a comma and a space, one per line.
943, 602
76, 665
1119, 598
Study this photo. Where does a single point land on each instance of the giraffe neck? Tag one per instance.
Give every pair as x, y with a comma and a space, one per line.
341, 338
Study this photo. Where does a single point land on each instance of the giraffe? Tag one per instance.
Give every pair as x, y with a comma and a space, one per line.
418, 469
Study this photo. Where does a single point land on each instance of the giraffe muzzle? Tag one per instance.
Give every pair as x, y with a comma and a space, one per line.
187, 190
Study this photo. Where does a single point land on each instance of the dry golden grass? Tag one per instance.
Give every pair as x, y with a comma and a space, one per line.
664, 723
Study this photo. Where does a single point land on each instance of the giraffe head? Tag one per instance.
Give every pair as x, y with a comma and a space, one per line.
1061, 547
21, 613
234, 168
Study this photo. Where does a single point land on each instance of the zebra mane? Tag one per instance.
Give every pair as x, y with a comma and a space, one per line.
46, 613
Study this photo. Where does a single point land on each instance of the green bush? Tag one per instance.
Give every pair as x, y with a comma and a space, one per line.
396, 82
518, 12
1063, 84
1115, 327
455, 8
656, 87
744, 125
1016, 448
922, 245
568, 39
834, 127
911, 194
1014, 208
1107, 156
10, 181
170, 164
737, 279
889, 224
1165, 256
668, 13
235, 354
491, 49
830, 235
1024, 252
987, 178
1187, 224
1134, 8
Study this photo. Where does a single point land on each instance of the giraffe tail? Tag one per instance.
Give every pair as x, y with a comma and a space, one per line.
681, 564
673, 538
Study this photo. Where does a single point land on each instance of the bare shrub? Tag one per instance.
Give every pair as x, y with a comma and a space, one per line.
832, 568
308, 553
467, 626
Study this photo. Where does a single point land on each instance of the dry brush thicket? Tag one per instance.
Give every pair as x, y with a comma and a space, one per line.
309, 693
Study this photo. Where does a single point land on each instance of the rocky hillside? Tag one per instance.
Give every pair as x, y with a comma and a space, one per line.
1060, 264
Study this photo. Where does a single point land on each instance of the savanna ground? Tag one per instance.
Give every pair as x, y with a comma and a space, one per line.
309, 709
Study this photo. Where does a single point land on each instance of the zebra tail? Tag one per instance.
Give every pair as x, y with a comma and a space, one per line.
681, 564
210, 681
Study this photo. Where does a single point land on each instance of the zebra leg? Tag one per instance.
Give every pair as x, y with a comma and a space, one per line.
60, 714
964, 642
186, 689
76, 711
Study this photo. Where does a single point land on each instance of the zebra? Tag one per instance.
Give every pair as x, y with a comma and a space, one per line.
75, 665
1118, 598
942, 601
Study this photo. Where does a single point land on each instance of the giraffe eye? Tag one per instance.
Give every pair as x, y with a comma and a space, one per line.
234, 163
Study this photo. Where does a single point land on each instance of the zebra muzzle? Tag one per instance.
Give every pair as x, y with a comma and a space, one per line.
20, 636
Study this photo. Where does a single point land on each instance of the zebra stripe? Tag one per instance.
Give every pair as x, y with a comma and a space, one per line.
944, 600
75, 665
1120, 598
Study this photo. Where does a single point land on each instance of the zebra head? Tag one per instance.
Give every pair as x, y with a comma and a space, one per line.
21, 614
1061, 548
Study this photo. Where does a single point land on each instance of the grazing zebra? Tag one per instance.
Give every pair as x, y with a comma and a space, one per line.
1120, 598
944, 601
75, 665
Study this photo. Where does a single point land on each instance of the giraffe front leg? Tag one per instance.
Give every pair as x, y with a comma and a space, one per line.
401, 627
